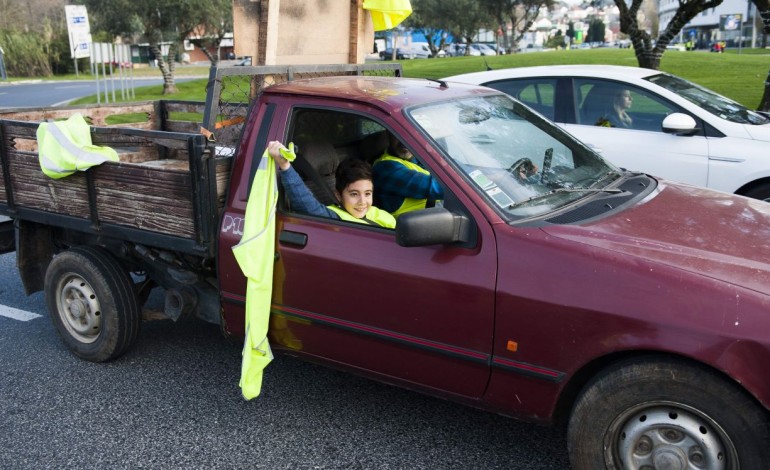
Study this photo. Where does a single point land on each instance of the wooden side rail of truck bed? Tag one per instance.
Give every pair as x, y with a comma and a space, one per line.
166, 191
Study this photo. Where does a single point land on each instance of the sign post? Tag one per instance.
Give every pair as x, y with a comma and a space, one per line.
79, 32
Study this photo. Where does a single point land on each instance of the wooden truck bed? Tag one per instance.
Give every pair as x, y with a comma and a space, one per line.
166, 191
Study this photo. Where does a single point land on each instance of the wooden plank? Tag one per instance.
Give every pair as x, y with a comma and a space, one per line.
149, 198
94, 114
34, 190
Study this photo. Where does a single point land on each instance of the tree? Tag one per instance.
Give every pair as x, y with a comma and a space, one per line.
466, 18
33, 35
521, 14
763, 7
649, 53
161, 22
596, 30
556, 41
428, 18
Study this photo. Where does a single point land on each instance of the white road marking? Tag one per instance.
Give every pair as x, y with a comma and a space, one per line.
16, 314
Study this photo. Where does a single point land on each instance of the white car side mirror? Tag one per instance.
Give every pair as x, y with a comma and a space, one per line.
679, 124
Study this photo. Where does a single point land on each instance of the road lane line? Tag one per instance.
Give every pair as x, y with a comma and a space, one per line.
16, 314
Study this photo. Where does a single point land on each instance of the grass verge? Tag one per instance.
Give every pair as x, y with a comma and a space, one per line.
738, 76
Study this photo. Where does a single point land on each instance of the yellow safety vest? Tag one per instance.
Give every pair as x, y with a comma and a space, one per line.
373, 215
255, 256
409, 204
65, 147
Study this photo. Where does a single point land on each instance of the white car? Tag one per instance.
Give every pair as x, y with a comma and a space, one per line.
677, 130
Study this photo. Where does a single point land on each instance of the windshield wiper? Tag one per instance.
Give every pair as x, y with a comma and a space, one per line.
564, 190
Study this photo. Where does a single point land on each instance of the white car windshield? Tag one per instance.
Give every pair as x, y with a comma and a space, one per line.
714, 103
522, 164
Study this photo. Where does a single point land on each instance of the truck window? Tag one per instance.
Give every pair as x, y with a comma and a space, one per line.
326, 138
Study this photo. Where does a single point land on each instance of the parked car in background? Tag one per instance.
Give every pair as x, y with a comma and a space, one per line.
458, 50
483, 49
500, 49
401, 54
420, 50
678, 130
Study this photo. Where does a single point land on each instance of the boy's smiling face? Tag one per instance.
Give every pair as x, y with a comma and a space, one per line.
356, 198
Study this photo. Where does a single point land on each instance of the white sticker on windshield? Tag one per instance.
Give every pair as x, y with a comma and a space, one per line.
481, 179
499, 197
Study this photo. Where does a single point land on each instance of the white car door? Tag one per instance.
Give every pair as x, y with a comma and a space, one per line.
642, 145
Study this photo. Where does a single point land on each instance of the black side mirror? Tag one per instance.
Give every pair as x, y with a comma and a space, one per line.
433, 226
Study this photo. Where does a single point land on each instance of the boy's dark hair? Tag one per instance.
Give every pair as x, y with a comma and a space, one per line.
350, 171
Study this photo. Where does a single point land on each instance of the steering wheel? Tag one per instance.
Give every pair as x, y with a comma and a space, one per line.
522, 169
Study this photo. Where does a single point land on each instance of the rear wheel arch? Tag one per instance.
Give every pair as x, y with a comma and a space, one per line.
757, 189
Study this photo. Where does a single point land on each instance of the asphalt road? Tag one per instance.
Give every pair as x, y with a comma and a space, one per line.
37, 93
174, 402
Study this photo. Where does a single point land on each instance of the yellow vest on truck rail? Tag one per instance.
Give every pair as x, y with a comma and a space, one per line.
65, 147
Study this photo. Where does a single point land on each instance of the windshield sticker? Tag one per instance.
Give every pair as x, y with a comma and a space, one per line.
500, 198
481, 179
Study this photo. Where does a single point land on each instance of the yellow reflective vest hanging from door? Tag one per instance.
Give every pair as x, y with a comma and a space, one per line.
255, 254
65, 147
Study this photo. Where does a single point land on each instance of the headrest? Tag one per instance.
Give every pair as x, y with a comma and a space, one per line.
373, 145
321, 156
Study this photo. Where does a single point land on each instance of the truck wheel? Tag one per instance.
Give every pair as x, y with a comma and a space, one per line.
92, 303
665, 413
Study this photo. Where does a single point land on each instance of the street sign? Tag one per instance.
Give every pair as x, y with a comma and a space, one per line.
79, 31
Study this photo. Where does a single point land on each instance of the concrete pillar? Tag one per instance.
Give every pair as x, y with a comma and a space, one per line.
294, 32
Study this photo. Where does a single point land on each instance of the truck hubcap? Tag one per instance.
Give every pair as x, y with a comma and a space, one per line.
669, 436
79, 309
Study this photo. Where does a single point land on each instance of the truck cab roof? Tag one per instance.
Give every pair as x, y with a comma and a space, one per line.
386, 92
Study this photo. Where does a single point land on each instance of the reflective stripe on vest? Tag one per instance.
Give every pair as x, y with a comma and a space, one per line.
373, 216
65, 147
409, 204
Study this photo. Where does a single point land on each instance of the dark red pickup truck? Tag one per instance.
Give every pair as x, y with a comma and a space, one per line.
632, 308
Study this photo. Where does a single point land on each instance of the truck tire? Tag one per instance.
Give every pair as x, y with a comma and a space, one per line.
659, 412
92, 303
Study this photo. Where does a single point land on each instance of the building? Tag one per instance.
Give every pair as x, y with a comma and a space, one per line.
731, 22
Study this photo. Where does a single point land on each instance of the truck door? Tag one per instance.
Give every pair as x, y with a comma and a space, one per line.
346, 293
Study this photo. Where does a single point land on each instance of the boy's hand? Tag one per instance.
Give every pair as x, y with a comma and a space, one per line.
276, 150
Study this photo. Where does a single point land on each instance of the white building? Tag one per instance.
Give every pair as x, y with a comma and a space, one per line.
704, 29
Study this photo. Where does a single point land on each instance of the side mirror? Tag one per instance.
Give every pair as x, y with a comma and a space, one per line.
433, 226
679, 124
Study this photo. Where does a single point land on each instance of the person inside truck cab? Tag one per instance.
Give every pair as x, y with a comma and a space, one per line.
353, 188
402, 184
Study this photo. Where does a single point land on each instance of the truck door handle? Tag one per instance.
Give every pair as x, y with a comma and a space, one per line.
292, 238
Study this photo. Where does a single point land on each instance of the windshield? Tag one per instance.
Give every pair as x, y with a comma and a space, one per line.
714, 103
522, 164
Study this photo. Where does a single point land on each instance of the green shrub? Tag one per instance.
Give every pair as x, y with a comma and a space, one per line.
24, 54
